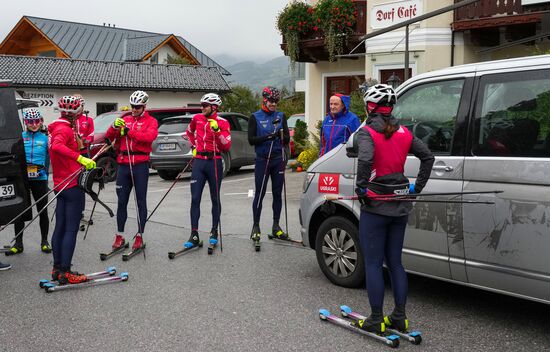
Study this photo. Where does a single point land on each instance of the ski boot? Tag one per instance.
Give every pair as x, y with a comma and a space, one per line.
15, 249
277, 232
374, 324
119, 242
71, 277
213, 241
45, 247
397, 320
255, 236
138, 243
193, 240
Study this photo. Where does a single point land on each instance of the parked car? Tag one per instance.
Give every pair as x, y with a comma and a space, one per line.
102, 122
14, 183
172, 150
291, 122
488, 125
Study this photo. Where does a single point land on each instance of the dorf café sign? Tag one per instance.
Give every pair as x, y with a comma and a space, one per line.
385, 15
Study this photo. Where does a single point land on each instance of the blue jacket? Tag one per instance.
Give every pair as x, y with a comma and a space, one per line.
338, 128
264, 126
36, 152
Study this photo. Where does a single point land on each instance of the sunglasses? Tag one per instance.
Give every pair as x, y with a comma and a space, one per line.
136, 107
32, 122
273, 101
205, 105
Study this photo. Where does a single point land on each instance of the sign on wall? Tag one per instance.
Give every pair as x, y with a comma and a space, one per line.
43, 98
531, 2
385, 15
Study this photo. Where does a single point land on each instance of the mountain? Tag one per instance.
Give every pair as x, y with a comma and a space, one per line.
275, 72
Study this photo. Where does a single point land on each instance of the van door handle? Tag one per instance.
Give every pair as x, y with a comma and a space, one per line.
443, 168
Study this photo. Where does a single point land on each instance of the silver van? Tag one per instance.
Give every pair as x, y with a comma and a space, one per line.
488, 125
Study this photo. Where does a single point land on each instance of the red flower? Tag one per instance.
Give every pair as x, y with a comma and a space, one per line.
289, 27
349, 24
315, 28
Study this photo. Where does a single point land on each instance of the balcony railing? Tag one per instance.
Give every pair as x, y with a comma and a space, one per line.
312, 46
501, 12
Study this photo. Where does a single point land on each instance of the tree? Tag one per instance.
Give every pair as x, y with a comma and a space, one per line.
290, 105
177, 60
240, 99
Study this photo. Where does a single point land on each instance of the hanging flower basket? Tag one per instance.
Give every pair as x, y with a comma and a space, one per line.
294, 22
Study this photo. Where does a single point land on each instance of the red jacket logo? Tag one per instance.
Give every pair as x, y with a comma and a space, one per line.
328, 183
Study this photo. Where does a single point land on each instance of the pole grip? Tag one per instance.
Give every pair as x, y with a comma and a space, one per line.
331, 197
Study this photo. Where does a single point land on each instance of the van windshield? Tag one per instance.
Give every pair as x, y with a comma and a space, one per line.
10, 126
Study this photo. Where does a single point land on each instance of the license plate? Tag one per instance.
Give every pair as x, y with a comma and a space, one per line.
7, 191
32, 171
168, 146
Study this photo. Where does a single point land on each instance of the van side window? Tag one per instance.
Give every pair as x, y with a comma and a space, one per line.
512, 116
429, 112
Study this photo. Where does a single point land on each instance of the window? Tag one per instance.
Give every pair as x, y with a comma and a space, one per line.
243, 122
512, 116
49, 53
105, 107
429, 111
154, 58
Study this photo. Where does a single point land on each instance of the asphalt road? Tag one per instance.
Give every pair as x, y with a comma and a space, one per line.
238, 300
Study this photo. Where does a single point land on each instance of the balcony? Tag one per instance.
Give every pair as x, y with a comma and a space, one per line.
496, 13
312, 46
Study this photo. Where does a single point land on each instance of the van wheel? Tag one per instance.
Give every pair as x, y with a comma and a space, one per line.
110, 166
168, 174
338, 252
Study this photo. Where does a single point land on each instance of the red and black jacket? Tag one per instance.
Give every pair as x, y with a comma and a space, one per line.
381, 163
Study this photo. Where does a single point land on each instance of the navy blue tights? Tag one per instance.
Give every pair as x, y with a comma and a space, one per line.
275, 171
203, 170
69, 208
381, 238
124, 188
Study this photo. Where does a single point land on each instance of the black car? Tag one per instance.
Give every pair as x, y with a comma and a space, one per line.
14, 183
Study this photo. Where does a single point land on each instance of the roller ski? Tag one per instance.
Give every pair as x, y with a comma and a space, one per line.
390, 340
192, 243
212, 241
255, 237
278, 234
50, 287
119, 246
399, 328
110, 271
137, 247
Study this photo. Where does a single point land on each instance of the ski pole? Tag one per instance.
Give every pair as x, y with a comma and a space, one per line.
46, 206
169, 189
276, 121
91, 215
283, 150
218, 193
396, 199
436, 194
135, 193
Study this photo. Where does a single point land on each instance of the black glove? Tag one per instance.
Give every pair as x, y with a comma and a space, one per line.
362, 194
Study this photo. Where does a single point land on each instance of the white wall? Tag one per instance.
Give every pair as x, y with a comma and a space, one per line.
163, 53
120, 97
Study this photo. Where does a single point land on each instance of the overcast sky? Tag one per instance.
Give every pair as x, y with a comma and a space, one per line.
241, 28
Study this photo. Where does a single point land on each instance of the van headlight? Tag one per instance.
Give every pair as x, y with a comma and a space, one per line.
307, 180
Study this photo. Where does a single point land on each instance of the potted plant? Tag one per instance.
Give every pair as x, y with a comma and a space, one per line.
337, 19
293, 22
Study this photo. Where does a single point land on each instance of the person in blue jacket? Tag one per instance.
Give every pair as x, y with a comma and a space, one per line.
268, 133
38, 161
339, 124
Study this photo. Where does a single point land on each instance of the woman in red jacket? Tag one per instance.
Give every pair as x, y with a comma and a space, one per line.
66, 160
137, 133
210, 136
383, 149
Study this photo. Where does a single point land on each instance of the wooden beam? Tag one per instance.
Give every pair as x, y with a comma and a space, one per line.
172, 40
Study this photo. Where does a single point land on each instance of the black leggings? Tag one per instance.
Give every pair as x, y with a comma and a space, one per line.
38, 189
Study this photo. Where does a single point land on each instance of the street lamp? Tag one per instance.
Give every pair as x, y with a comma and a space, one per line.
394, 80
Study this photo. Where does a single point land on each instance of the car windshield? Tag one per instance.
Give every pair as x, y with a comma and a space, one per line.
172, 126
291, 122
103, 121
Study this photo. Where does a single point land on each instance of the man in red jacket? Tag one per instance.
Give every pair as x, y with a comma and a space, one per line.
137, 132
210, 136
85, 128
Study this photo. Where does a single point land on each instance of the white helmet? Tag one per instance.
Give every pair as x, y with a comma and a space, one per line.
380, 93
139, 97
212, 99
